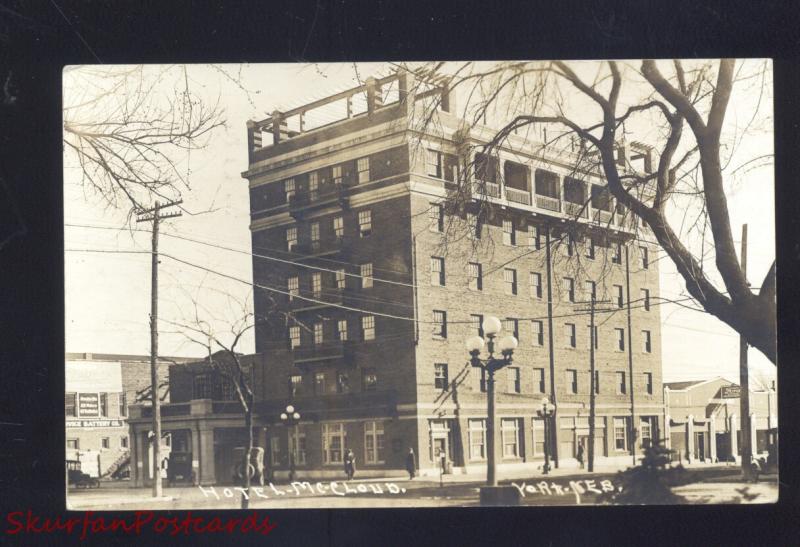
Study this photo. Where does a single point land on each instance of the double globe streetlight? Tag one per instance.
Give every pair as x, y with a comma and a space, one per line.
291, 417
506, 345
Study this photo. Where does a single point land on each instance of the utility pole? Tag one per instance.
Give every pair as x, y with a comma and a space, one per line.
630, 354
552, 436
592, 387
155, 216
744, 380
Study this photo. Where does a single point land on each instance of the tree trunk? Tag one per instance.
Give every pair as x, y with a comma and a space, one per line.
248, 420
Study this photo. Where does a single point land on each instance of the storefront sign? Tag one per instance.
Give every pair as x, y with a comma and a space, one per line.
731, 392
89, 404
94, 423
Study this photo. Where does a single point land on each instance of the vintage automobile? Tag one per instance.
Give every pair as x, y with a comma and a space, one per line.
79, 479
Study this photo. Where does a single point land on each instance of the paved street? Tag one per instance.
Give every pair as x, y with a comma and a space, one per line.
719, 484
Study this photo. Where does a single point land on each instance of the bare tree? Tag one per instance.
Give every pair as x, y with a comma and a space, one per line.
128, 129
590, 109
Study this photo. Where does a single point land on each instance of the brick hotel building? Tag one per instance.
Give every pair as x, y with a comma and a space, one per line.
369, 295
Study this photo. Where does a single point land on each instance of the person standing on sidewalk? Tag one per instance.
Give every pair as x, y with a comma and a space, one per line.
579, 455
411, 464
350, 464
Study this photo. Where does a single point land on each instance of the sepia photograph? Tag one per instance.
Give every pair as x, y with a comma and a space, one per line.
419, 284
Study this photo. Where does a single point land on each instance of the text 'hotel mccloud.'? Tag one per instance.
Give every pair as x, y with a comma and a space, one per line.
368, 285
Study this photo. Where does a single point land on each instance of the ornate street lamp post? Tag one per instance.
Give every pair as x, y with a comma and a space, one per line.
506, 345
291, 418
546, 414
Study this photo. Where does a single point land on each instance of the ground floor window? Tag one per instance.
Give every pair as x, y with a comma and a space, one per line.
274, 450
512, 447
105, 442
477, 439
332, 443
538, 437
646, 431
72, 444
373, 442
297, 440
620, 434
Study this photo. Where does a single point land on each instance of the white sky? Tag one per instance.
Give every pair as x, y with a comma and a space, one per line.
107, 296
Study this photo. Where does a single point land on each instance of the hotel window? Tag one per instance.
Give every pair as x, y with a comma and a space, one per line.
589, 337
510, 432
338, 226
123, 404
316, 284
477, 439
365, 223
437, 271
590, 287
289, 188
362, 166
297, 438
275, 451
291, 238
620, 434
618, 296
538, 436
341, 279
439, 324
475, 225
342, 382
293, 285
318, 333
369, 379
202, 387
368, 327
510, 279
337, 175
538, 333
474, 272
440, 379
70, 406
620, 339
373, 442
569, 289
572, 380
538, 380
319, 383
569, 335
294, 337
508, 233
332, 443
123, 442
511, 326
104, 404
596, 382
315, 236
622, 387
476, 324
647, 346
514, 380
645, 298
313, 186
227, 389
436, 216
73, 444
590, 250
645, 432
534, 237
433, 163
105, 442
648, 382
645, 260
341, 329
536, 284
295, 381
366, 275
616, 253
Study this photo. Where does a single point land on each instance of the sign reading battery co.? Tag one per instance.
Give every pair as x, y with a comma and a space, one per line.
94, 423
89, 404
731, 392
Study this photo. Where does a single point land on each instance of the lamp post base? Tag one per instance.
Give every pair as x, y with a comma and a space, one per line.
499, 495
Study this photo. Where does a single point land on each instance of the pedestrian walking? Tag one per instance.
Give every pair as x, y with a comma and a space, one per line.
349, 464
411, 464
579, 455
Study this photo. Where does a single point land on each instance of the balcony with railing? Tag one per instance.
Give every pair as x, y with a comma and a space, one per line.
577, 210
305, 201
602, 217
486, 188
518, 196
340, 351
548, 203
